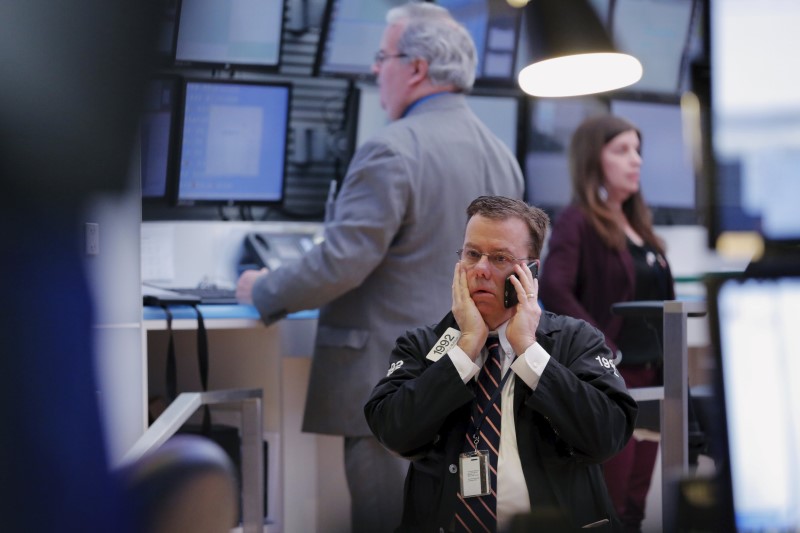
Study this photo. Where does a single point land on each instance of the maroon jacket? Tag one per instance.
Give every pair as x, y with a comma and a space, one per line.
582, 277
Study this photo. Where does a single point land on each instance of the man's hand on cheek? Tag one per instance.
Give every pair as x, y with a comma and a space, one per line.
521, 330
473, 328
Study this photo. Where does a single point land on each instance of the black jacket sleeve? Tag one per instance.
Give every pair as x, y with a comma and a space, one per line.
580, 393
410, 404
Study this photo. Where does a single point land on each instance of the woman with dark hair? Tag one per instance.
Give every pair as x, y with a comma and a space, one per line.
603, 250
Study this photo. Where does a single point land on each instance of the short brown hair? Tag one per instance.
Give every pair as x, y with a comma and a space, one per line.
502, 208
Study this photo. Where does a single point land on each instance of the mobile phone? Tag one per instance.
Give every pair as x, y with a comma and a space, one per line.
510, 293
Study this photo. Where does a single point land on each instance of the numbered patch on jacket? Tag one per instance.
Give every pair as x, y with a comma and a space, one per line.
393, 367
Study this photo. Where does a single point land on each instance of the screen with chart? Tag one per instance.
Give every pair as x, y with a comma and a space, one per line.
245, 33
233, 142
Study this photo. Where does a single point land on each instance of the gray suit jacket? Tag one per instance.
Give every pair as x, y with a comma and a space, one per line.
386, 264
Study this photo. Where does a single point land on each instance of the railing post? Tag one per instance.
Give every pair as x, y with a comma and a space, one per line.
252, 467
674, 407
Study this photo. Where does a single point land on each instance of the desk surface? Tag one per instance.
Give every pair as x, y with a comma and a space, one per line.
218, 311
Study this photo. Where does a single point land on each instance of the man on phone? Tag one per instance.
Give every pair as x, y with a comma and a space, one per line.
487, 450
384, 263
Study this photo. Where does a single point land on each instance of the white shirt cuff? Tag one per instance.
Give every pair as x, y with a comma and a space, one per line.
531, 366
466, 368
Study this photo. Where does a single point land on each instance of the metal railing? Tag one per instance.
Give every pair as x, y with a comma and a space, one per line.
183, 407
673, 395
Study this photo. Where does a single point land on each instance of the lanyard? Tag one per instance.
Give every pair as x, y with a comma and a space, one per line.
476, 437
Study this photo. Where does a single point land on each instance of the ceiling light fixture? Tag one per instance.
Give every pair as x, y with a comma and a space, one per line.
571, 53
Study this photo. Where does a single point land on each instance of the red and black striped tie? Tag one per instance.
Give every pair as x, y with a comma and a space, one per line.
479, 513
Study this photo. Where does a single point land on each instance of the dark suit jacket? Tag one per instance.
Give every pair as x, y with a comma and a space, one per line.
579, 416
581, 277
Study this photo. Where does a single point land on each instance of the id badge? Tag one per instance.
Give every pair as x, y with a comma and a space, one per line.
474, 468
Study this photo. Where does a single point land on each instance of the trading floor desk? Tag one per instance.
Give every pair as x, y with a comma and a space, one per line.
246, 354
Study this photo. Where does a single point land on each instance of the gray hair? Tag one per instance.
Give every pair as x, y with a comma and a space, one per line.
432, 34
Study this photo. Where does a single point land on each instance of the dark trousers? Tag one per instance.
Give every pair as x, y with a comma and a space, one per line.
629, 473
376, 479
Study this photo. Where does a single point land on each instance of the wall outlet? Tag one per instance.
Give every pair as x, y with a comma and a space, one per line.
92, 238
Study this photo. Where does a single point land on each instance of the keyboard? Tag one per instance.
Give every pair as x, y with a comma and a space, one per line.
209, 295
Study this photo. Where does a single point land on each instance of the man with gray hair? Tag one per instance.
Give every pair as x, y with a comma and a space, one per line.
388, 241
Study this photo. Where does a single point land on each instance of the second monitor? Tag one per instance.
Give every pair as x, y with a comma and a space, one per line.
233, 142
499, 112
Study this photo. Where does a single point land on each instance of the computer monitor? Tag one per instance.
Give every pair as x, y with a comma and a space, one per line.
754, 181
157, 131
753, 326
495, 28
551, 123
667, 178
658, 33
233, 142
351, 35
500, 113
352, 31
243, 34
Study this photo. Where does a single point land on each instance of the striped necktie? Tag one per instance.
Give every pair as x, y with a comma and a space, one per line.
479, 513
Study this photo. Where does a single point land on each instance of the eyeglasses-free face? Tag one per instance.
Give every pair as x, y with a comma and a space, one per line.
499, 260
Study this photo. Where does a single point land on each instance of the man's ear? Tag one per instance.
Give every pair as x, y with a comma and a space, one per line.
420, 71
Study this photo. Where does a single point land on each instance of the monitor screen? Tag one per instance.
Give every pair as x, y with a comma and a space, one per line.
755, 119
352, 32
351, 35
157, 129
233, 142
552, 121
495, 28
667, 175
759, 359
658, 34
499, 113
245, 33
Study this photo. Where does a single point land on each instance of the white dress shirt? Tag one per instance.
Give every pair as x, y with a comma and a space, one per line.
512, 492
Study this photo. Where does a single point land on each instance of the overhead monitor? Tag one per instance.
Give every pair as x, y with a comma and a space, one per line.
351, 35
755, 120
667, 177
551, 123
233, 142
352, 32
500, 113
495, 28
243, 34
754, 323
157, 130
658, 34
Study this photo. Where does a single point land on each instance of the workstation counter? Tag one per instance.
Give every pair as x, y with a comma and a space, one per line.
244, 353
